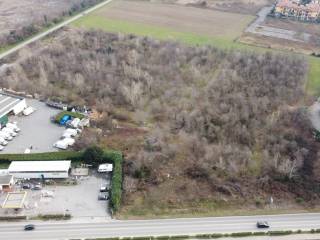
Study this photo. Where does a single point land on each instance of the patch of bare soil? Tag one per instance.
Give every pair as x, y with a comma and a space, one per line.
280, 44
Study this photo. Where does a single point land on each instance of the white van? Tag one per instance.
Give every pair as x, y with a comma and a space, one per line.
6, 136
10, 131
64, 144
3, 141
13, 126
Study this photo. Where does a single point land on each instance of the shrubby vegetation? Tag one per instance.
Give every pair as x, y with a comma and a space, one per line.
220, 124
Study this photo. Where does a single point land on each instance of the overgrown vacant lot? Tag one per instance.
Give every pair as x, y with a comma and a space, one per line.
150, 19
202, 129
20, 18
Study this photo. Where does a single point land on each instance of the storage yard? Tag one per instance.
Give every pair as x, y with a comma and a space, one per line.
37, 133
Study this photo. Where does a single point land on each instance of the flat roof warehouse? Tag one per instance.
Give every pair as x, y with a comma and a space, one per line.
40, 169
10, 103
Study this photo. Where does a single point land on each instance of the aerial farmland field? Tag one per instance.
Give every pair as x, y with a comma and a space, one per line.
168, 21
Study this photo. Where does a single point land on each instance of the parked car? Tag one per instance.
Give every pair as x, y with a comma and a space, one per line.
26, 186
13, 126
36, 187
29, 227
64, 119
103, 196
10, 131
104, 187
262, 224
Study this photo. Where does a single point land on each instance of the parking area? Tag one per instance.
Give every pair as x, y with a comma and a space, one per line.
79, 200
37, 131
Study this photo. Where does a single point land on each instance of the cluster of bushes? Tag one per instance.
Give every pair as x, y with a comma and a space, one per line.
60, 115
53, 217
93, 155
12, 218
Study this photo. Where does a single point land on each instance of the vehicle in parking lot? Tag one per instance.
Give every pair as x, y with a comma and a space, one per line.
64, 143
104, 187
26, 186
6, 136
36, 187
3, 141
262, 224
10, 131
29, 227
103, 196
13, 126
28, 111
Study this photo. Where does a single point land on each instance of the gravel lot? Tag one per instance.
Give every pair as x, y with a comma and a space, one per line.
36, 130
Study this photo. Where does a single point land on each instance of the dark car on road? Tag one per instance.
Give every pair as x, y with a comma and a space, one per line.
29, 227
262, 224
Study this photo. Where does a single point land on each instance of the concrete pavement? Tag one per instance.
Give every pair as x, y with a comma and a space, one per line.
51, 30
183, 226
257, 27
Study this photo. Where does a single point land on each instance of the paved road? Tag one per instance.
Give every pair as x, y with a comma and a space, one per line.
115, 228
51, 30
257, 28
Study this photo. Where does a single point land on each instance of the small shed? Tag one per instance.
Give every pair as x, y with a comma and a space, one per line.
6, 183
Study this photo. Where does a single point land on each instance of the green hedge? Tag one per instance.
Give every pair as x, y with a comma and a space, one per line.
241, 234
114, 157
116, 191
72, 114
279, 233
49, 156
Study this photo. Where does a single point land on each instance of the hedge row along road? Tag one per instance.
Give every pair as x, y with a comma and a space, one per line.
53, 29
164, 227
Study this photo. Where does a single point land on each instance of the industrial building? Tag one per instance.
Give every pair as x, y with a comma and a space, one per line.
40, 169
10, 104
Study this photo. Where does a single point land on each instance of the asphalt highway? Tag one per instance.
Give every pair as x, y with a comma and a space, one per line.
117, 228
